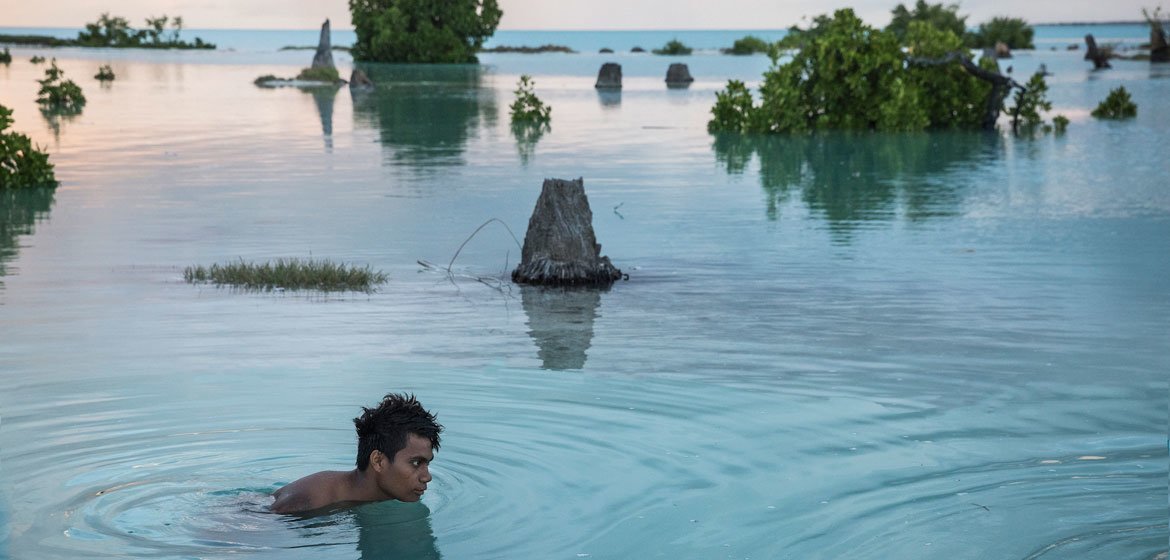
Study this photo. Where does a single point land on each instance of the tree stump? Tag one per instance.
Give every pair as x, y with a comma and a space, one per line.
1099, 57
560, 248
678, 75
359, 81
610, 76
1002, 50
1159, 50
324, 56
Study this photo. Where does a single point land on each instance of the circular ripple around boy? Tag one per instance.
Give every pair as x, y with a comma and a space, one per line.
397, 441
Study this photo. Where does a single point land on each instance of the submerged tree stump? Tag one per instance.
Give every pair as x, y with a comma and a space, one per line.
1100, 57
678, 75
359, 81
324, 56
610, 76
1159, 49
560, 248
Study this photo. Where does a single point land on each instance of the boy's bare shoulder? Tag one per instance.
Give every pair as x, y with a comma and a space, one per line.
311, 492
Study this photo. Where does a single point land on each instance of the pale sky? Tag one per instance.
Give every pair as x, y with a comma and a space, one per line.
552, 14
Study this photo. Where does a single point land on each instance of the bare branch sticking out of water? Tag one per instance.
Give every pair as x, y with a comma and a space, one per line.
465, 241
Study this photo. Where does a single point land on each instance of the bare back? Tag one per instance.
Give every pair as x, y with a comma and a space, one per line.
311, 492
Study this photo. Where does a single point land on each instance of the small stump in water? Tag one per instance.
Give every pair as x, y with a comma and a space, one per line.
560, 248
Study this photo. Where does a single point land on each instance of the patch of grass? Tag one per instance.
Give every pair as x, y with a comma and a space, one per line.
289, 274
1117, 106
321, 74
105, 73
673, 47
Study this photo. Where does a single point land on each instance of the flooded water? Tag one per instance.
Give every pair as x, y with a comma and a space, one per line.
873, 346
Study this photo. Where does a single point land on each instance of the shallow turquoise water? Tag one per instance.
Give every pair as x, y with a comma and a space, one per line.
881, 346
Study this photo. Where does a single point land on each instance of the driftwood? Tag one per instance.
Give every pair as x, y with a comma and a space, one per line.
610, 76
1100, 57
560, 248
1001, 85
324, 56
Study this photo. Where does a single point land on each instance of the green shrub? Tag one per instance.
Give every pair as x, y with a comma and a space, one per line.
5, 57
528, 108
58, 95
319, 74
1014, 32
748, 45
22, 165
943, 18
1029, 102
37, 59
114, 31
1117, 106
290, 274
1060, 123
422, 30
105, 73
673, 47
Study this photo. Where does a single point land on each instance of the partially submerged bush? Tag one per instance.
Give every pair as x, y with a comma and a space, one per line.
1013, 32
6, 56
528, 108
58, 95
105, 73
750, 44
1029, 102
1117, 106
22, 165
673, 47
37, 59
290, 274
319, 74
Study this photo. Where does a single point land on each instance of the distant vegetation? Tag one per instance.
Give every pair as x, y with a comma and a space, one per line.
22, 165
750, 44
422, 31
290, 274
111, 31
528, 108
105, 73
1117, 106
850, 76
37, 59
938, 16
1013, 32
57, 95
319, 74
673, 47
530, 50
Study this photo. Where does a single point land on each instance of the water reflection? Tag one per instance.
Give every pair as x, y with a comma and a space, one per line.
849, 179
610, 98
20, 209
527, 136
560, 321
395, 530
425, 113
324, 97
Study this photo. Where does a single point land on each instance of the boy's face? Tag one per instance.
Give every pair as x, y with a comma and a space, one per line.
405, 478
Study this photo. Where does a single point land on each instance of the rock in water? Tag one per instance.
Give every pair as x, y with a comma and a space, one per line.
610, 76
678, 75
560, 248
359, 81
324, 56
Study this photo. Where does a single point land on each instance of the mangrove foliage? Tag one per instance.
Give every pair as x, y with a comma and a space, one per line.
22, 165
1117, 106
58, 95
421, 30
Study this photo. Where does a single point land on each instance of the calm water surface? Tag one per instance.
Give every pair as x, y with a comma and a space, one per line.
875, 346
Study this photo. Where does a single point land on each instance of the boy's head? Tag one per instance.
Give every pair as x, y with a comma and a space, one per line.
385, 427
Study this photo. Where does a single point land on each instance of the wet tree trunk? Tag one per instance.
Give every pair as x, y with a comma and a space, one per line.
1000, 85
1099, 57
560, 248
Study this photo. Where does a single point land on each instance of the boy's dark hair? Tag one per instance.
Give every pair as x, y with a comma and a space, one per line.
385, 427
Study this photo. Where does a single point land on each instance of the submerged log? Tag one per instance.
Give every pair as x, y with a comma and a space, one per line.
610, 76
560, 248
324, 56
1100, 57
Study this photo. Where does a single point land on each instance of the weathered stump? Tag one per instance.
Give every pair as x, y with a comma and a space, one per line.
324, 56
1159, 50
359, 81
1100, 57
678, 75
1002, 50
560, 248
610, 76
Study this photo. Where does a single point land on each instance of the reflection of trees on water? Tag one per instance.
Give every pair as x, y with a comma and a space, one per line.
20, 210
527, 136
560, 321
424, 113
852, 179
395, 530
